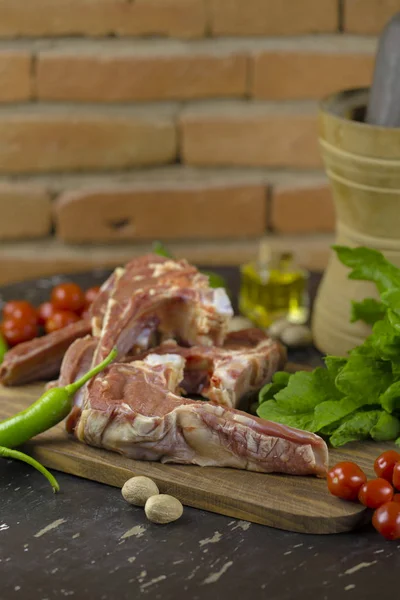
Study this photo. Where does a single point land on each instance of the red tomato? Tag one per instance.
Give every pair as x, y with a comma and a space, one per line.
44, 312
91, 295
376, 492
384, 464
396, 476
386, 520
20, 310
16, 331
345, 480
68, 296
396, 498
60, 319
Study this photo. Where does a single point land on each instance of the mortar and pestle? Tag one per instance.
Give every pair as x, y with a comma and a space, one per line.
359, 133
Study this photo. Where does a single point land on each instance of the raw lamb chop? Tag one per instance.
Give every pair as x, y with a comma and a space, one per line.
155, 294
133, 409
225, 374
40, 358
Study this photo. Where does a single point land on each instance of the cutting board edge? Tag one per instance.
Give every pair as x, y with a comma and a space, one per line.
321, 525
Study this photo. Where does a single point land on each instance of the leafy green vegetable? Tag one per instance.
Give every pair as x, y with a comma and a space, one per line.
357, 427
161, 250
294, 404
215, 280
364, 377
357, 397
387, 428
390, 399
369, 310
279, 382
369, 265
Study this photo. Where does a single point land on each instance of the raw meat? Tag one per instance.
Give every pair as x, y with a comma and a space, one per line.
225, 374
230, 373
153, 294
133, 409
40, 358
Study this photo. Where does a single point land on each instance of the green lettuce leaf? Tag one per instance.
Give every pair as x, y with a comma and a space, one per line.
369, 310
364, 377
390, 399
386, 429
369, 265
330, 413
278, 383
356, 428
273, 412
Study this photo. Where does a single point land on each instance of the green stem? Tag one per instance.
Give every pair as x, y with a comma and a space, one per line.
74, 387
8, 453
3, 348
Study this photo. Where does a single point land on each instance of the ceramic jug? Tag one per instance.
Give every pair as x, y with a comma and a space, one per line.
362, 162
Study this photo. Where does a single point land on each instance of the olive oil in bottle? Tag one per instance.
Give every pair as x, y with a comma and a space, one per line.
272, 288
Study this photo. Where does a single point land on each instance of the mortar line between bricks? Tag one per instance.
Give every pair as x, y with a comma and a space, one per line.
208, 33
269, 200
33, 75
341, 11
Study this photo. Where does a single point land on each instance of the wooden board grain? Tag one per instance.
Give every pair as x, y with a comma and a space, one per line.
300, 504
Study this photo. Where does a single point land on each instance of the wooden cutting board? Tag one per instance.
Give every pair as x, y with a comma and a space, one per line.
293, 503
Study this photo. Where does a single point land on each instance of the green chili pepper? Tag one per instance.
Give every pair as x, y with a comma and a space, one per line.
47, 411
3, 348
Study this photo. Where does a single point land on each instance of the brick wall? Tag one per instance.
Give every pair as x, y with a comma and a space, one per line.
192, 121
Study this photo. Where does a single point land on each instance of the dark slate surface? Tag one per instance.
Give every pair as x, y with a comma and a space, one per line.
86, 542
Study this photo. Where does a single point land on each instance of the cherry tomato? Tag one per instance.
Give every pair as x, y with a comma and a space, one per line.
60, 319
384, 464
85, 314
375, 492
345, 480
91, 295
44, 312
68, 296
396, 476
16, 331
386, 520
20, 310
396, 498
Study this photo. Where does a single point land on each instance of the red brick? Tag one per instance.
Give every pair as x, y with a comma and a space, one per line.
305, 74
38, 139
46, 18
25, 211
368, 16
101, 73
249, 137
162, 211
302, 208
15, 75
272, 17
51, 257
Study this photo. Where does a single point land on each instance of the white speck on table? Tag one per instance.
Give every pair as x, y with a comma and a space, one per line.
49, 527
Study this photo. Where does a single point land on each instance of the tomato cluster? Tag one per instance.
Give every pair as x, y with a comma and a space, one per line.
348, 481
68, 303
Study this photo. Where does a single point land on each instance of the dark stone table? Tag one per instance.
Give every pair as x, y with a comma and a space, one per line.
86, 542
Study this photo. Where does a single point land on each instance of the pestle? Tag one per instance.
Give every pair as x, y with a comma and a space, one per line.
384, 99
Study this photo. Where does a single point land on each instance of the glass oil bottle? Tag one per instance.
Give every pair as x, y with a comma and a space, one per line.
273, 287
